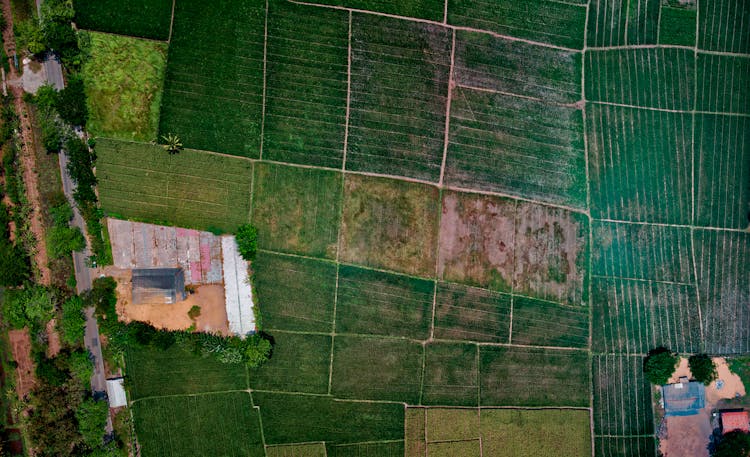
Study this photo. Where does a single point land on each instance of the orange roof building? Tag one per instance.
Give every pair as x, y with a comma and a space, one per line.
735, 420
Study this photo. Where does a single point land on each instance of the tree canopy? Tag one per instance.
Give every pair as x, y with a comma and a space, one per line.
733, 444
247, 241
659, 365
702, 368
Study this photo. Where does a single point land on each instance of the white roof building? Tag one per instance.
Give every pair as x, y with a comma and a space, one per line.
116, 392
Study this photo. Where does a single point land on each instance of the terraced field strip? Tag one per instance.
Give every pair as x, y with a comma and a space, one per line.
724, 25
616, 23
722, 83
622, 396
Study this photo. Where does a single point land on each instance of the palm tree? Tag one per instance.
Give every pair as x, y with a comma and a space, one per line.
172, 143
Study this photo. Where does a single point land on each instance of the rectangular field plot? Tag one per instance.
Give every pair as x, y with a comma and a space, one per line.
297, 450
724, 25
390, 224
451, 424
516, 146
454, 448
422, 9
641, 251
559, 378
535, 433
633, 317
366, 368
297, 210
622, 396
306, 84
378, 303
293, 293
192, 189
546, 21
388, 449
488, 62
543, 323
677, 26
299, 363
305, 419
399, 87
618, 23
723, 83
471, 314
141, 18
217, 424
722, 171
620, 446
451, 375
645, 77
723, 264
639, 164
213, 94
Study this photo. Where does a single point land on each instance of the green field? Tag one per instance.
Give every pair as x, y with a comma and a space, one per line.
451, 374
389, 449
399, 88
721, 25
677, 26
123, 78
471, 314
306, 79
297, 210
722, 83
622, 396
171, 426
191, 189
451, 424
423, 9
213, 94
141, 18
617, 23
624, 446
454, 449
543, 323
297, 450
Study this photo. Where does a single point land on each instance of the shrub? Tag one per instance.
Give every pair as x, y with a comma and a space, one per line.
92, 419
733, 444
72, 323
81, 366
14, 265
61, 241
194, 312
247, 241
659, 365
702, 368
71, 102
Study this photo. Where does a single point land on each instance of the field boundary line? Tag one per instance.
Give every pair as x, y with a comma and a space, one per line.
514, 197
667, 46
662, 224
194, 394
446, 133
657, 281
421, 374
667, 110
511, 94
348, 96
265, 64
445, 12
171, 23
624, 436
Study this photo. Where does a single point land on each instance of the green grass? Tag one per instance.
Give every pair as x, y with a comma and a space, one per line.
543, 323
297, 450
471, 314
303, 419
741, 367
306, 78
297, 210
399, 85
622, 396
422, 9
516, 146
616, 23
451, 374
452, 424
454, 449
536, 433
559, 378
677, 26
722, 83
294, 293
214, 84
299, 363
378, 303
390, 449
124, 78
623, 446
220, 424
720, 16
546, 21
390, 224
141, 18
376, 369
153, 372
190, 189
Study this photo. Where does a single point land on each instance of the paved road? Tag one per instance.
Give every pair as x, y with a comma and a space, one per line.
53, 68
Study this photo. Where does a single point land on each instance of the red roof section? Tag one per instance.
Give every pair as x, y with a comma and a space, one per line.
735, 420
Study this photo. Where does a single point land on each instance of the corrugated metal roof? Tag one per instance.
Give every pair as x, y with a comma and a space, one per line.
735, 420
116, 392
684, 399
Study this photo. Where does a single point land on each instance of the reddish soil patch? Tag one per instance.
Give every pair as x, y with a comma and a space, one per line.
53, 339
688, 436
20, 345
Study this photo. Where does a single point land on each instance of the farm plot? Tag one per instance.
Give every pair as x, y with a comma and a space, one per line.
644, 77
546, 21
724, 83
624, 185
141, 18
123, 78
218, 424
451, 375
677, 26
193, 189
378, 303
622, 396
471, 314
213, 94
300, 363
307, 418
368, 368
414, 434
306, 80
454, 449
722, 171
175, 371
293, 293
633, 317
451, 424
422, 9
297, 450
642, 251
297, 210
724, 25
388, 449
624, 446
488, 62
390, 224
723, 267
559, 378
399, 87
617, 23
544, 323
516, 146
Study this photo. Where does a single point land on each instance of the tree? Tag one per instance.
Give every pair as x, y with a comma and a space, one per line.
194, 312
702, 368
29, 36
172, 143
92, 419
14, 266
71, 102
61, 241
733, 444
73, 323
659, 365
247, 241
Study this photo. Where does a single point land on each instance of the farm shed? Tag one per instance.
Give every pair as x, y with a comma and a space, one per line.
158, 285
734, 419
684, 398
116, 392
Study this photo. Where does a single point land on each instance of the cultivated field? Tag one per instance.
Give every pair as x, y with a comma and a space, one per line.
677, 26
423, 9
622, 396
471, 314
542, 323
451, 374
625, 446
722, 83
723, 26
141, 18
617, 23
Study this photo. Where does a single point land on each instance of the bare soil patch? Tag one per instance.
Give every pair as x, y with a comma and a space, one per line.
20, 344
53, 339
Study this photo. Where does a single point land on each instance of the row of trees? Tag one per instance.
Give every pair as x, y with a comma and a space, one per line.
660, 364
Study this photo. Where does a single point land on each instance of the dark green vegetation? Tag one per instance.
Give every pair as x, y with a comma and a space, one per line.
659, 365
622, 396
300, 363
423, 9
625, 446
722, 82
677, 26
702, 368
247, 241
543, 323
720, 25
735, 443
142, 18
616, 23
451, 374
471, 314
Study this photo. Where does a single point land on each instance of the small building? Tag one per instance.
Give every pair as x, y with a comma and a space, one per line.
158, 285
683, 398
116, 392
735, 419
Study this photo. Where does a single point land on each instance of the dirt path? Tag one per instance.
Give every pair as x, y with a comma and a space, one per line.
20, 345
26, 154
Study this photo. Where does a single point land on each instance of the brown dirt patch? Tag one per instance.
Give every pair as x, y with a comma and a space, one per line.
20, 345
683, 369
687, 436
732, 387
53, 339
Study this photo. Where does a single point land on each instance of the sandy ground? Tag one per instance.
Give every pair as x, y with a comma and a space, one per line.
53, 339
20, 344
